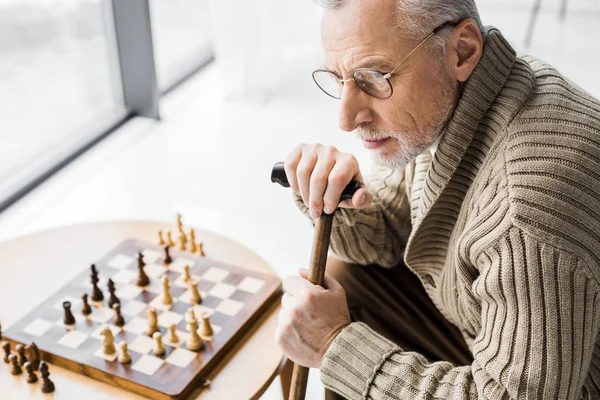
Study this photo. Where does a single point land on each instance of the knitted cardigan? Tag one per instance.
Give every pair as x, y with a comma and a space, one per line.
503, 229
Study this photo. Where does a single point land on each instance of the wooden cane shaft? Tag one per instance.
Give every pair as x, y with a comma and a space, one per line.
316, 274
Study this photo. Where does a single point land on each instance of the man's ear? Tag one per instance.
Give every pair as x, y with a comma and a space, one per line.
464, 49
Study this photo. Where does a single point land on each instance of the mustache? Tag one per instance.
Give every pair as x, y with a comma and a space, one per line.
373, 134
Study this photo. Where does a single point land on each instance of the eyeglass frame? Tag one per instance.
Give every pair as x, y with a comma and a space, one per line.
387, 75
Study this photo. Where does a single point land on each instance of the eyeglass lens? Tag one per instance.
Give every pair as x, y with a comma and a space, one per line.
371, 82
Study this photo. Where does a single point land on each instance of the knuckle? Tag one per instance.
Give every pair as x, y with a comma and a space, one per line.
310, 298
315, 203
330, 151
338, 179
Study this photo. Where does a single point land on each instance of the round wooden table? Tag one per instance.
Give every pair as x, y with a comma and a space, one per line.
34, 267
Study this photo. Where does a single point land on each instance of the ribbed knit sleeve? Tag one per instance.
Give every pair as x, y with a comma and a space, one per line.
376, 235
539, 322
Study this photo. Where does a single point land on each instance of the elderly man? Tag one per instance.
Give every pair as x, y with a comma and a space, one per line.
470, 259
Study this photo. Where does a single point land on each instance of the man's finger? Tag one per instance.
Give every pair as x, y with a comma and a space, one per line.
331, 283
303, 172
318, 185
288, 301
296, 286
303, 272
291, 164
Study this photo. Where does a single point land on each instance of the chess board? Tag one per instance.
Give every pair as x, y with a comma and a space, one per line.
233, 296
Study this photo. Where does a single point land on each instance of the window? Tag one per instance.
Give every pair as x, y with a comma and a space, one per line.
59, 83
181, 35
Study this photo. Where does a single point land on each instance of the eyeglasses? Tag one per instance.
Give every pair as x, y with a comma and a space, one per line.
373, 83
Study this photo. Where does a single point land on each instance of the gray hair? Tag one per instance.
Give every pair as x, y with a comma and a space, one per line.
418, 18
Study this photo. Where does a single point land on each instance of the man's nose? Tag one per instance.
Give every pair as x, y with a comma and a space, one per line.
354, 107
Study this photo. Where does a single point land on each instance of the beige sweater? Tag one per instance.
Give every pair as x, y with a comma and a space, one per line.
503, 228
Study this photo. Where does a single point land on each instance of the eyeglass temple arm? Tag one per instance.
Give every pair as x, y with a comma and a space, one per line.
436, 30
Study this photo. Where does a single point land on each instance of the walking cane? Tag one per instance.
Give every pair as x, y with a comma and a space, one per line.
318, 261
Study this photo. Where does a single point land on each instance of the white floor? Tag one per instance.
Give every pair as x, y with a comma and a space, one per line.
210, 159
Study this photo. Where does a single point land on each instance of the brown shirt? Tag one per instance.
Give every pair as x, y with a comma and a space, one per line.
503, 228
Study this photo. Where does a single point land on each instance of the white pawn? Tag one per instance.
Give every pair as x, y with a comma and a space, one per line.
167, 299
194, 341
108, 343
173, 338
186, 274
195, 297
152, 322
207, 330
124, 357
159, 348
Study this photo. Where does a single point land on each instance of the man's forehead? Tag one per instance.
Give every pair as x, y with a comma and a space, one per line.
368, 25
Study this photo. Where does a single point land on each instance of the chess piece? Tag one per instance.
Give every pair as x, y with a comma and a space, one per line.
182, 241
124, 357
47, 385
186, 274
179, 223
31, 376
192, 235
161, 239
6, 348
168, 259
118, 320
166, 298
33, 355
194, 341
190, 315
68, 319
15, 367
97, 294
152, 322
86, 310
201, 249
195, 297
170, 241
159, 348
94, 270
207, 330
112, 299
143, 279
20, 349
193, 247
108, 343
173, 338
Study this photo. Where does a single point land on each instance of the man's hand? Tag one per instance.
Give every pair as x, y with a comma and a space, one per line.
310, 318
320, 173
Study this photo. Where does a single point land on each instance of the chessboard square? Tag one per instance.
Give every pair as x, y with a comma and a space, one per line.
251, 285
182, 336
114, 329
128, 292
120, 261
107, 357
154, 270
158, 304
74, 302
124, 276
169, 318
200, 309
181, 357
151, 256
141, 344
73, 339
181, 283
187, 296
133, 308
102, 314
215, 274
155, 286
136, 325
229, 307
38, 327
222, 290
216, 329
179, 263
147, 365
